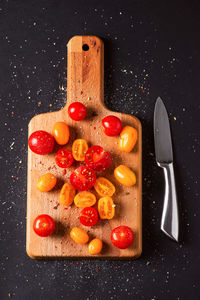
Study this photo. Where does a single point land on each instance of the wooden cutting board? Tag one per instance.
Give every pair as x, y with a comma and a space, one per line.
85, 83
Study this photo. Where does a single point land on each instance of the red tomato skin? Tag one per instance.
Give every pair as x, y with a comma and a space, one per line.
44, 225
89, 216
83, 178
41, 142
66, 156
122, 237
77, 111
112, 125
104, 158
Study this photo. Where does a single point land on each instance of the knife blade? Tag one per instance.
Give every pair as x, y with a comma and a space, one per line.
164, 159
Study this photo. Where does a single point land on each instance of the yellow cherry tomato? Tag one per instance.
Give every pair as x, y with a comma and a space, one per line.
95, 246
61, 133
104, 187
46, 182
125, 176
106, 208
79, 148
79, 236
67, 194
128, 139
84, 199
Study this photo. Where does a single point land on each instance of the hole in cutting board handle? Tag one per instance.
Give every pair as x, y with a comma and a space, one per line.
85, 47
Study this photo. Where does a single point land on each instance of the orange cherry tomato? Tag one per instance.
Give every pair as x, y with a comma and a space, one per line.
106, 208
79, 236
95, 246
84, 199
104, 187
124, 175
61, 133
79, 148
67, 194
128, 139
46, 182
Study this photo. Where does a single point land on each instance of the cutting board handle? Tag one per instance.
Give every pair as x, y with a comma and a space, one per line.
85, 70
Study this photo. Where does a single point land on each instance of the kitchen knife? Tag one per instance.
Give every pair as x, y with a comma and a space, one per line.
164, 159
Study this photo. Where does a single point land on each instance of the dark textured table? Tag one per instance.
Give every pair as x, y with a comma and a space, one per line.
151, 48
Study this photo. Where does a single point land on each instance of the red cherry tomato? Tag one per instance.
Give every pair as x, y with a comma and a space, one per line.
89, 216
64, 158
77, 111
112, 125
122, 237
44, 225
97, 159
41, 142
83, 178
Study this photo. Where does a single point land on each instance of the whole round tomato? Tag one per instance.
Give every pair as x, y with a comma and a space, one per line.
122, 237
95, 246
83, 178
64, 158
46, 182
112, 125
79, 235
61, 133
97, 158
89, 216
44, 225
77, 111
41, 142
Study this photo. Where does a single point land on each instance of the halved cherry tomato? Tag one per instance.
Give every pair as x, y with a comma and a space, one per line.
89, 216
112, 125
83, 178
64, 158
128, 139
67, 194
122, 237
97, 159
106, 208
44, 225
79, 148
95, 246
79, 236
46, 182
124, 175
84, 199
41, 142
104, 187
61, 133
77, 111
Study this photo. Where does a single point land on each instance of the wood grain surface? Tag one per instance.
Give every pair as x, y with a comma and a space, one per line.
85, 83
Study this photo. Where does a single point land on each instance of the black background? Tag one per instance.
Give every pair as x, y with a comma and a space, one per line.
151, 49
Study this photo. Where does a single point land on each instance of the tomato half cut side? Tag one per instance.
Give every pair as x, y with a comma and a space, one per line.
79, 149
64, 158
97, 158
83, 178
89, 216
106, 208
